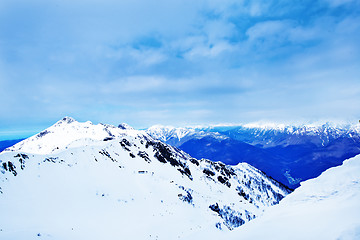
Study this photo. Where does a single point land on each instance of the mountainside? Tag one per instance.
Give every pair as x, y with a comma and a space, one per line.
289, 154
84, 181
232, 152
323, 208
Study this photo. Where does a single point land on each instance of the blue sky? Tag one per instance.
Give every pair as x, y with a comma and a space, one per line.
177, 62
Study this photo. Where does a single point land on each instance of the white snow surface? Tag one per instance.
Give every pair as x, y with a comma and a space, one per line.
164, 133
168, 134
329, 128
265, 134
324, 208
84, 181
68, 133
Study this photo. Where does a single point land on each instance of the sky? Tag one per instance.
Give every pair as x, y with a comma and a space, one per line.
179, 63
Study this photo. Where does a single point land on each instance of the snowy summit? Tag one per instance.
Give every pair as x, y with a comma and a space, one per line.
84, 181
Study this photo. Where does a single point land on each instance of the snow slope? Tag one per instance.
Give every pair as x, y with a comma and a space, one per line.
84, 181
327, 207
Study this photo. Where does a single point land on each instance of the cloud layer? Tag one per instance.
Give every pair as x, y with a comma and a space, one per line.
178, 62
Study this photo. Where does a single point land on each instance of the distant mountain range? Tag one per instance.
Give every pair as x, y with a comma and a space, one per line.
287, 153
8, 143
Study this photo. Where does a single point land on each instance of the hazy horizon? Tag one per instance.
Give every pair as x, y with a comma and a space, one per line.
25, 133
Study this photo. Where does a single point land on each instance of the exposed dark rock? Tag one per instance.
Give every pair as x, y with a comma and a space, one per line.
22, 155
242, 193
249, 216
51, 159
9, 166
43, 133
186, 171
186, 198
164, 154
224, 180
68, 120
218, 226
108, 138
194, 161
125, 144
107, 154
215, 207
144, 155
22, 163
232, 218
208, 172
4, 165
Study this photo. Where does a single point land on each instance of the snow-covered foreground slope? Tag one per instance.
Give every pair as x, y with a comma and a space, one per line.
83, 181
327, 207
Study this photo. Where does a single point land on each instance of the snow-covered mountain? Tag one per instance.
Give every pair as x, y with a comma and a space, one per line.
265, 135
271, 135
288, 153
68, 133
165, 133
177, 136
84, 181
323, 208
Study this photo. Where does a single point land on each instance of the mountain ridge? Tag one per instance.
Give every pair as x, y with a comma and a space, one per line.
145, 181
288, 153
328, 128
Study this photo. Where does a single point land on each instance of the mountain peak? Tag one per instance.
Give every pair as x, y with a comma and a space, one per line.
67, 120
67, 133
125, 126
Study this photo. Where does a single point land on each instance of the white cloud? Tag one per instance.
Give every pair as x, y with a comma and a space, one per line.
257, 8
208, 51
132, 85
337, 3
220, 60
268, 29
147, 57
